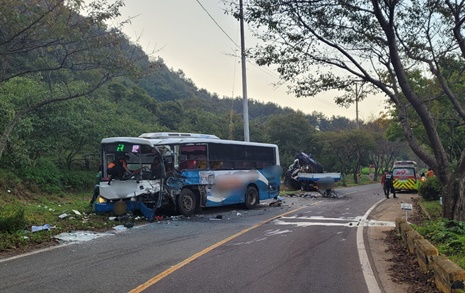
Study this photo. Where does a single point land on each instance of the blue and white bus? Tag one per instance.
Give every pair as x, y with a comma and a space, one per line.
197, 171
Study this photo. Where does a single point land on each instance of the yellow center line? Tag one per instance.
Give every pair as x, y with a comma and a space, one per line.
174, 268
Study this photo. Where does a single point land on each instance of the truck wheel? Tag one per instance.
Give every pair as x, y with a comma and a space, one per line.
186, 202
251, 197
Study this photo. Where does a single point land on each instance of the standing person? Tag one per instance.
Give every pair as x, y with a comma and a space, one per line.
98, 178
388, 184
430, 173
383, 179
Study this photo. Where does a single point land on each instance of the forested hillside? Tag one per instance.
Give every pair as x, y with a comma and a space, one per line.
67, 83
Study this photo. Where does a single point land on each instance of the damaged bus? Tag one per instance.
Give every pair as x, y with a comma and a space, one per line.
183, 173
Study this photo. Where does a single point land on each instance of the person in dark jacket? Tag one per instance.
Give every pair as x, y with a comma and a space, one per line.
118, 168
157, 169
387, 180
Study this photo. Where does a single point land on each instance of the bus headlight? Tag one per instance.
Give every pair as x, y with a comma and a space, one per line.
101, 199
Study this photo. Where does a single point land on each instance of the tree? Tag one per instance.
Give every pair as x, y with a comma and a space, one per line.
49, 42
344, 151
292, 133
329, 44
384, 153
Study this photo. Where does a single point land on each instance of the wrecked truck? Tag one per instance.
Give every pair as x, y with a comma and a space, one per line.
196, 171
306, 174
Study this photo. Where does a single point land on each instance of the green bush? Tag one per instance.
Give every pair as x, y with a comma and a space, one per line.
80, 181
50, 179
45, 175
447, 235
8, 180
365, 170
12, 219
430, 189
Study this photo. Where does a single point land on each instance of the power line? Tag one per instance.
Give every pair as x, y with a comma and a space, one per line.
264, 70
211, 17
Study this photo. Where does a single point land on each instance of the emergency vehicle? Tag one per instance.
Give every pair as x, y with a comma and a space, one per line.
406, 176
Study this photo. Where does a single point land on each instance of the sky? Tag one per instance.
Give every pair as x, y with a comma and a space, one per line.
198, 39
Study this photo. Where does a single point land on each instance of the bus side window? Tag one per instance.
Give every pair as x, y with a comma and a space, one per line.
240, 165
216, 165
228, 165
250, 165
246, 165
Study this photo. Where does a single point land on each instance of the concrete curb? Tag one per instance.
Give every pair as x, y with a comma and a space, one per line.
448, 276
425, 254
411, 237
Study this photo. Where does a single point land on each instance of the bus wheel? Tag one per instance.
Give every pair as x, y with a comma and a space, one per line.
186, 202
251, 197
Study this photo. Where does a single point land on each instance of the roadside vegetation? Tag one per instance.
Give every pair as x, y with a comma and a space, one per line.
24, 204
448, 236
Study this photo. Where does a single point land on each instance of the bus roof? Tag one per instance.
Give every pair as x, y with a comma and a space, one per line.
133, 140
200, 140
179, 140
165, 135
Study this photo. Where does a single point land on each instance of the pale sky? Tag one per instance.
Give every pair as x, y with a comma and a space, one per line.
182, 33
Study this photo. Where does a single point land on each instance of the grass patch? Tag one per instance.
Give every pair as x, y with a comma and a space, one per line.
434, 208
38, 196
364, 180
18, 215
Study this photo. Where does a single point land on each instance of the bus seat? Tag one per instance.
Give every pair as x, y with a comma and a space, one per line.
189, 164
200, 164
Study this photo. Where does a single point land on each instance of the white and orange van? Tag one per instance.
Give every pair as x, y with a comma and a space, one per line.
406, 176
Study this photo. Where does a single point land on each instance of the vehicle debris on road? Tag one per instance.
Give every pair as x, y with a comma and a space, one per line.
40, 228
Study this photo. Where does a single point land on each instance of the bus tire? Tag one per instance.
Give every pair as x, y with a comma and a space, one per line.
251, 197
186, 202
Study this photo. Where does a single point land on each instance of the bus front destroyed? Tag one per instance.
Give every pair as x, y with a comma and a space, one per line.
184, 173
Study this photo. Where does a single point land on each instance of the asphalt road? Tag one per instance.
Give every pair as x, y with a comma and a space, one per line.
306, 245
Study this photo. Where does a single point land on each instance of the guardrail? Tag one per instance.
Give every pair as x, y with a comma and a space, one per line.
448, 276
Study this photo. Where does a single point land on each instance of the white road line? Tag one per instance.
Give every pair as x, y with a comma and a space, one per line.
370, 279
348, 223
323, 221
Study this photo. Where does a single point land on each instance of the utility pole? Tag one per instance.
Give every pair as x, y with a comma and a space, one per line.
357, 94
245, 108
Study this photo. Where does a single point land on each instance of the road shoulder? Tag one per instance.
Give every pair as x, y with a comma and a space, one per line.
380, 255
